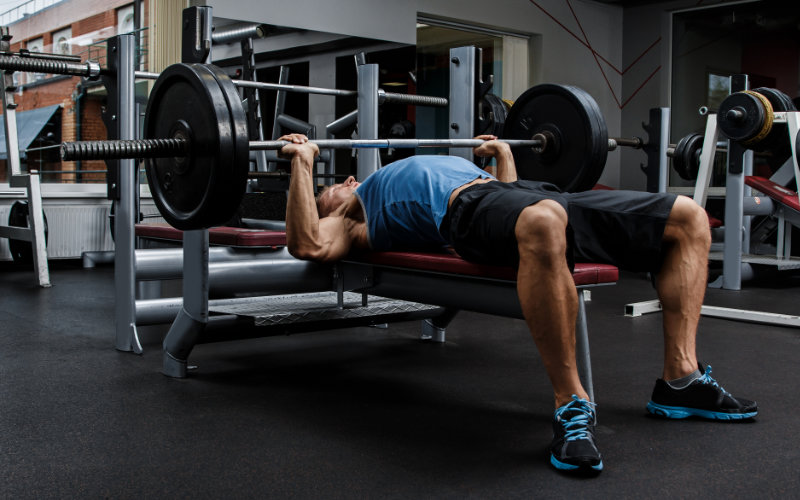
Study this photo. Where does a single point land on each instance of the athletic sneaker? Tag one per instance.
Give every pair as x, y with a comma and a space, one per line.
703, 398
573, 448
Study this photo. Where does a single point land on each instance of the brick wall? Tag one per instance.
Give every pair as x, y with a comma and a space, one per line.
83, 17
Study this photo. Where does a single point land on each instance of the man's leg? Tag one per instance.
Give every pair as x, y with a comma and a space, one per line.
547, 294
681, 284
550, 305
687, 388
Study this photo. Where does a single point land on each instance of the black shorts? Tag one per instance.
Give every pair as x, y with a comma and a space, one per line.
622, 228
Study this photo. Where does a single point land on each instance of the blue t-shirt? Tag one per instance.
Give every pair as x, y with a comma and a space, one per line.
405, 201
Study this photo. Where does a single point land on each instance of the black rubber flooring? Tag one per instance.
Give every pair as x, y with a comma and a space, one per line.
375, 413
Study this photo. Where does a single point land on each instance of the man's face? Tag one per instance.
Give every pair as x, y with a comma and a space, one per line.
337, 194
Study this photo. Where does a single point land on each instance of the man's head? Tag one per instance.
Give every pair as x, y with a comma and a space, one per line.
332, 197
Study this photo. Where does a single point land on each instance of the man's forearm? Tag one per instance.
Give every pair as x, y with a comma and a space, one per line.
506, 170
302, 218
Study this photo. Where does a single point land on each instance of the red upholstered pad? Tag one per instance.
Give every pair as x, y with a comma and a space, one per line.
229, 236
584, 274
774, 191
714, 222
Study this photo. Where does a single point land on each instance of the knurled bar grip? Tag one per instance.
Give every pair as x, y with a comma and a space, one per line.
88, 69
417, 100
166, 148
121, 149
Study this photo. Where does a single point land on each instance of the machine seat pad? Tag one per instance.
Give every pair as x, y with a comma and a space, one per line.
774, 191
227, 236
584, 274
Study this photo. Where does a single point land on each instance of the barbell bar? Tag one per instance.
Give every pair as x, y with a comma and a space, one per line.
178, 147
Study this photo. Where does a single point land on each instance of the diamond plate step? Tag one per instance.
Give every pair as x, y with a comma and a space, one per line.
319, 307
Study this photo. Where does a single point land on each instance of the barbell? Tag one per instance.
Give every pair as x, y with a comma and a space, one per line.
197, 143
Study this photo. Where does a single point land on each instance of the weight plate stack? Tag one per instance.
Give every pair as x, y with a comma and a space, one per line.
686, 159
576, 153
745, 117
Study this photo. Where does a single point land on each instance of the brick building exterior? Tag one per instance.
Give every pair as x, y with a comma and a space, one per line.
88, 23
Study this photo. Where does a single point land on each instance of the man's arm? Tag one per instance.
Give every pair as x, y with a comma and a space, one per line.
309, 237
506, 169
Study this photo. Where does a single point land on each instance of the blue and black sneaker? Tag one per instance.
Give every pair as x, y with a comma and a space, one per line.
703, 398
573, 448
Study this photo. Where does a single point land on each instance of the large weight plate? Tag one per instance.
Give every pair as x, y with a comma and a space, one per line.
194, 192
576, 160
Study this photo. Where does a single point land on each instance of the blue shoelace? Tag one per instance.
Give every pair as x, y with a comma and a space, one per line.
576, 426
706, 379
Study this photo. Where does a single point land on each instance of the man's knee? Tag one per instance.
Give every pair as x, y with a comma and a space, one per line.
541, 230
688, 222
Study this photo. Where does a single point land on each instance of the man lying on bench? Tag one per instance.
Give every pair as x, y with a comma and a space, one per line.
432, 201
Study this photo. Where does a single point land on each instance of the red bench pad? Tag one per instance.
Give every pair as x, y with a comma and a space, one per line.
774, 191
228, 236
584, 274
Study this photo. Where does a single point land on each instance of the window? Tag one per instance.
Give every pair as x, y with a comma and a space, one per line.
62, 41
125, 19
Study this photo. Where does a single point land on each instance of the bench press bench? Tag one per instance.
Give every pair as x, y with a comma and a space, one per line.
442, 279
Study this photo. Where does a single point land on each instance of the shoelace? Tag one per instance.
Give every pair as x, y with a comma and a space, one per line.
706, 379
577, 426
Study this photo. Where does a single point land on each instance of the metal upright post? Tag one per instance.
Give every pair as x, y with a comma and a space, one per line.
122, 57
734, 201
368, 159
461, 104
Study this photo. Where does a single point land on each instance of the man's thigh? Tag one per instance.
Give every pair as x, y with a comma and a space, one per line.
623, 228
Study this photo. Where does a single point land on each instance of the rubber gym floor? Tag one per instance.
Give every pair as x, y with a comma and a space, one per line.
376, 413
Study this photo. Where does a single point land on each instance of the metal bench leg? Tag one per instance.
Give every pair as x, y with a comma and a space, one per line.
193, 317
582, 348
433, 329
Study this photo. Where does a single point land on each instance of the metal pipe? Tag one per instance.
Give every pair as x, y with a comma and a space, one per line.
239, 33
167, 263
89, 69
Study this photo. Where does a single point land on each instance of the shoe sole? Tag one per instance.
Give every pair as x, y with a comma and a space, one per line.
575, 468
678, 412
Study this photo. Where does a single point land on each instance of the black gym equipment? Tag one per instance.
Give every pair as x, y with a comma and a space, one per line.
577, 138
21, 250
746, 117
686, 156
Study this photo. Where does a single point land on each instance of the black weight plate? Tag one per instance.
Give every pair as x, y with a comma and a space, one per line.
492, 113
746, 127
576, 160
21, 250
235, 176
188, 97
686, 159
